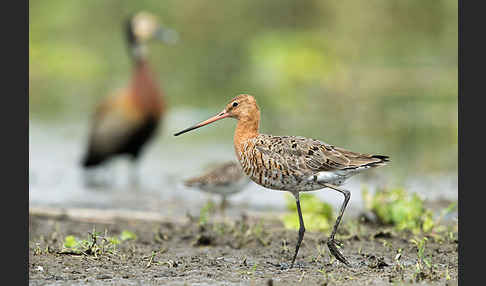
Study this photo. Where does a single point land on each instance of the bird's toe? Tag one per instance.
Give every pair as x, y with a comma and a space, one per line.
336, 253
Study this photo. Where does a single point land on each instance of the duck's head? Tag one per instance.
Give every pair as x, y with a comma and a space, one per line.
144, 27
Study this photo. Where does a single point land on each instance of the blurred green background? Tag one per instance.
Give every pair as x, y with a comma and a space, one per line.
374, 76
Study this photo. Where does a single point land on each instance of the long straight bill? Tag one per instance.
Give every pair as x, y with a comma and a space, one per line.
206, 122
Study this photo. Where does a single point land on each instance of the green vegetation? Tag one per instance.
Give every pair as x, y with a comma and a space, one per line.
127, 235
398, 208
205, 212
318, 215
420, 244
404, 211
96, 243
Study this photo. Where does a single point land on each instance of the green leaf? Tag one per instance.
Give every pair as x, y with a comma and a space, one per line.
70, 241
127, 235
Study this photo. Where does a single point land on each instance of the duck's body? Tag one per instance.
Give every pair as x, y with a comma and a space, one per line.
125, 121
290, 163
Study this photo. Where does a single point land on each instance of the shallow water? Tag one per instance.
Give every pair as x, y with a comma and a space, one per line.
56, 178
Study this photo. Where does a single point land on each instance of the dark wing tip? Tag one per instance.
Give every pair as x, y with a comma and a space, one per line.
382, 157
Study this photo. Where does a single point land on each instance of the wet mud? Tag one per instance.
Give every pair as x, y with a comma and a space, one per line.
247, 250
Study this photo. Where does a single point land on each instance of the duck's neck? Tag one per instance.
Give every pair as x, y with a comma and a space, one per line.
137, 49
145, 89
247, 128
139, 54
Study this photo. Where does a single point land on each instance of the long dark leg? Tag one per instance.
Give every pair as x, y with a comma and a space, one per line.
331, 243
134, 173
301, 229
224, 204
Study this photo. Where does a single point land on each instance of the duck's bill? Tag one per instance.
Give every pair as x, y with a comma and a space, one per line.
221, 115
166, 35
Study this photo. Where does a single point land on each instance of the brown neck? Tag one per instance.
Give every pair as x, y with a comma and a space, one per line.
246, 128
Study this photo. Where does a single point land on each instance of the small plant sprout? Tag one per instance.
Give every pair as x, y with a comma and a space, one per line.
420, 244
37, 249
253, 269
301, 276
205, 211
251, 272
448, 277
285, 247
151, 258
399, 254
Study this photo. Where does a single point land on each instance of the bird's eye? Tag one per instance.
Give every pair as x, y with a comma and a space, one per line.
235, 104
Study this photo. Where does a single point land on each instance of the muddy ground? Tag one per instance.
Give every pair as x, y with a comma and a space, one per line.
247, 250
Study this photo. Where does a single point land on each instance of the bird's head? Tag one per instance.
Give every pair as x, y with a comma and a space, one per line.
243, 106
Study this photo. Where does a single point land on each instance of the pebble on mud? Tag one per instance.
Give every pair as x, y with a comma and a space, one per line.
39, 268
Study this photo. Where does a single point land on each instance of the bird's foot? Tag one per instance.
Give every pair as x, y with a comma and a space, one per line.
337, 242
335, 251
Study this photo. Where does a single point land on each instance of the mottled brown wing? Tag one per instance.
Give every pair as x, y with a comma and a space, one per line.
360, 159
309, 156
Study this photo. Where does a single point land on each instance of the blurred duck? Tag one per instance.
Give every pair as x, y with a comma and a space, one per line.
224, 179
124, 122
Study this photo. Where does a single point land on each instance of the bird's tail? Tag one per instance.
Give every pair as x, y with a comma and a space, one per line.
382, 159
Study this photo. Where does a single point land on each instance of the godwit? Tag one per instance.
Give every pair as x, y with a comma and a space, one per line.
127, 120
291, 163
224, 179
